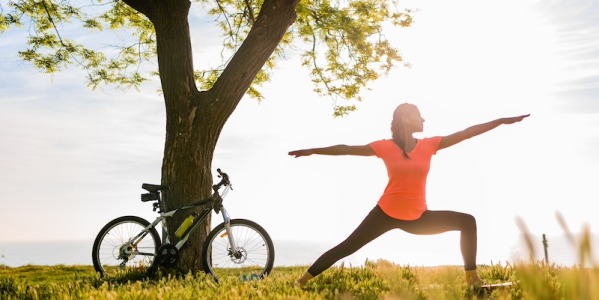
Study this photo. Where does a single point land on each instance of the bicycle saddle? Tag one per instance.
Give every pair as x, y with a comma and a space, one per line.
154, 187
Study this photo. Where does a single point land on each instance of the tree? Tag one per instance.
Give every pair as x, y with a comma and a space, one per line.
345, 49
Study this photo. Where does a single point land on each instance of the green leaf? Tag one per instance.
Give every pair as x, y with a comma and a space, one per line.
340, 42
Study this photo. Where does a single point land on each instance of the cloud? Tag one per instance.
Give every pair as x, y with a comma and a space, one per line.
65, 146
576, 31
583, 100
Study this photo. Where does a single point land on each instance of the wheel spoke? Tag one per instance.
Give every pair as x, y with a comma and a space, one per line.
254, 257
112, 249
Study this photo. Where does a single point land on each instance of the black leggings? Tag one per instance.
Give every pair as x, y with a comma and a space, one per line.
377, 223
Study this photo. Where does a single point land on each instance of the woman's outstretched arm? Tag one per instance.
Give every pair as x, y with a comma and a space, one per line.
363, 150
452, 139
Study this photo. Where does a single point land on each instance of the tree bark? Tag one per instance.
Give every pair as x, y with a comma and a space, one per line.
195, 119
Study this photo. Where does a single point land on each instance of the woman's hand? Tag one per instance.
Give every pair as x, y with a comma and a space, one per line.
513, 120
303, 152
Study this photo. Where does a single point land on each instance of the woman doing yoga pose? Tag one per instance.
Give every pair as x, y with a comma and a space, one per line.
403, 203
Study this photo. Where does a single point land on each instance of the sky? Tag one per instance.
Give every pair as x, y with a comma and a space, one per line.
73, 159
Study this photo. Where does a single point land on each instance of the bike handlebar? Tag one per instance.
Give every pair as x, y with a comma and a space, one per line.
154, 190
224, 180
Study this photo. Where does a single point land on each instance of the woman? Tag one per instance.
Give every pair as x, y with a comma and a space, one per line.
403, 203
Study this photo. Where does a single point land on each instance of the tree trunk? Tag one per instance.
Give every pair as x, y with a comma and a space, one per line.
195, 119
189, 143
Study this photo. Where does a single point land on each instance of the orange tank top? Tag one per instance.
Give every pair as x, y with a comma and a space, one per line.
404, 197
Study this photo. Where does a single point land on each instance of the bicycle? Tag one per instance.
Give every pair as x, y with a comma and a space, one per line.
236, 247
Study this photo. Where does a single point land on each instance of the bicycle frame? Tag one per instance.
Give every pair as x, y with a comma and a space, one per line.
217, 206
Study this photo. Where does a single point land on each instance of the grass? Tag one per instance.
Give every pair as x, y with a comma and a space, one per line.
375, 280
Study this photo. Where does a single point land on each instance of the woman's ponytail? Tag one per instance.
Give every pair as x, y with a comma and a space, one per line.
397, 133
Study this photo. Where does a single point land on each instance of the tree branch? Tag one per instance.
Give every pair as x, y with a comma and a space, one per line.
145, 7
52, 22
272, 23
250, 11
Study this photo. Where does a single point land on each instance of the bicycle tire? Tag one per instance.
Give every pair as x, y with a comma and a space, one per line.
107, 251
257, 253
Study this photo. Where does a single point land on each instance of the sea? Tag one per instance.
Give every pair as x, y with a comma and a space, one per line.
296, 253
78, 252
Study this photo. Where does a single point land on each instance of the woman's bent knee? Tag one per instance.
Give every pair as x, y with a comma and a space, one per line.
469, 221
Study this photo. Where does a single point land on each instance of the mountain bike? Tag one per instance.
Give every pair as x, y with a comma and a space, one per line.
236, 247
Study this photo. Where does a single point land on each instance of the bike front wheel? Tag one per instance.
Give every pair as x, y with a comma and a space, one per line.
253, 259
124, 244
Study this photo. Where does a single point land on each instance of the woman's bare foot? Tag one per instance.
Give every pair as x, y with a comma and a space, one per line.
472, 279
302, 281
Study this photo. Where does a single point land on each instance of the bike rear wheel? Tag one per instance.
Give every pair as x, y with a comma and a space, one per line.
113, 251
254, 258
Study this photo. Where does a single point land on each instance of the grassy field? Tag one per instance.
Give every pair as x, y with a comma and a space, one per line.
375, 280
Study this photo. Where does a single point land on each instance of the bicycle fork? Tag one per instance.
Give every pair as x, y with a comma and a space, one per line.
227, 221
